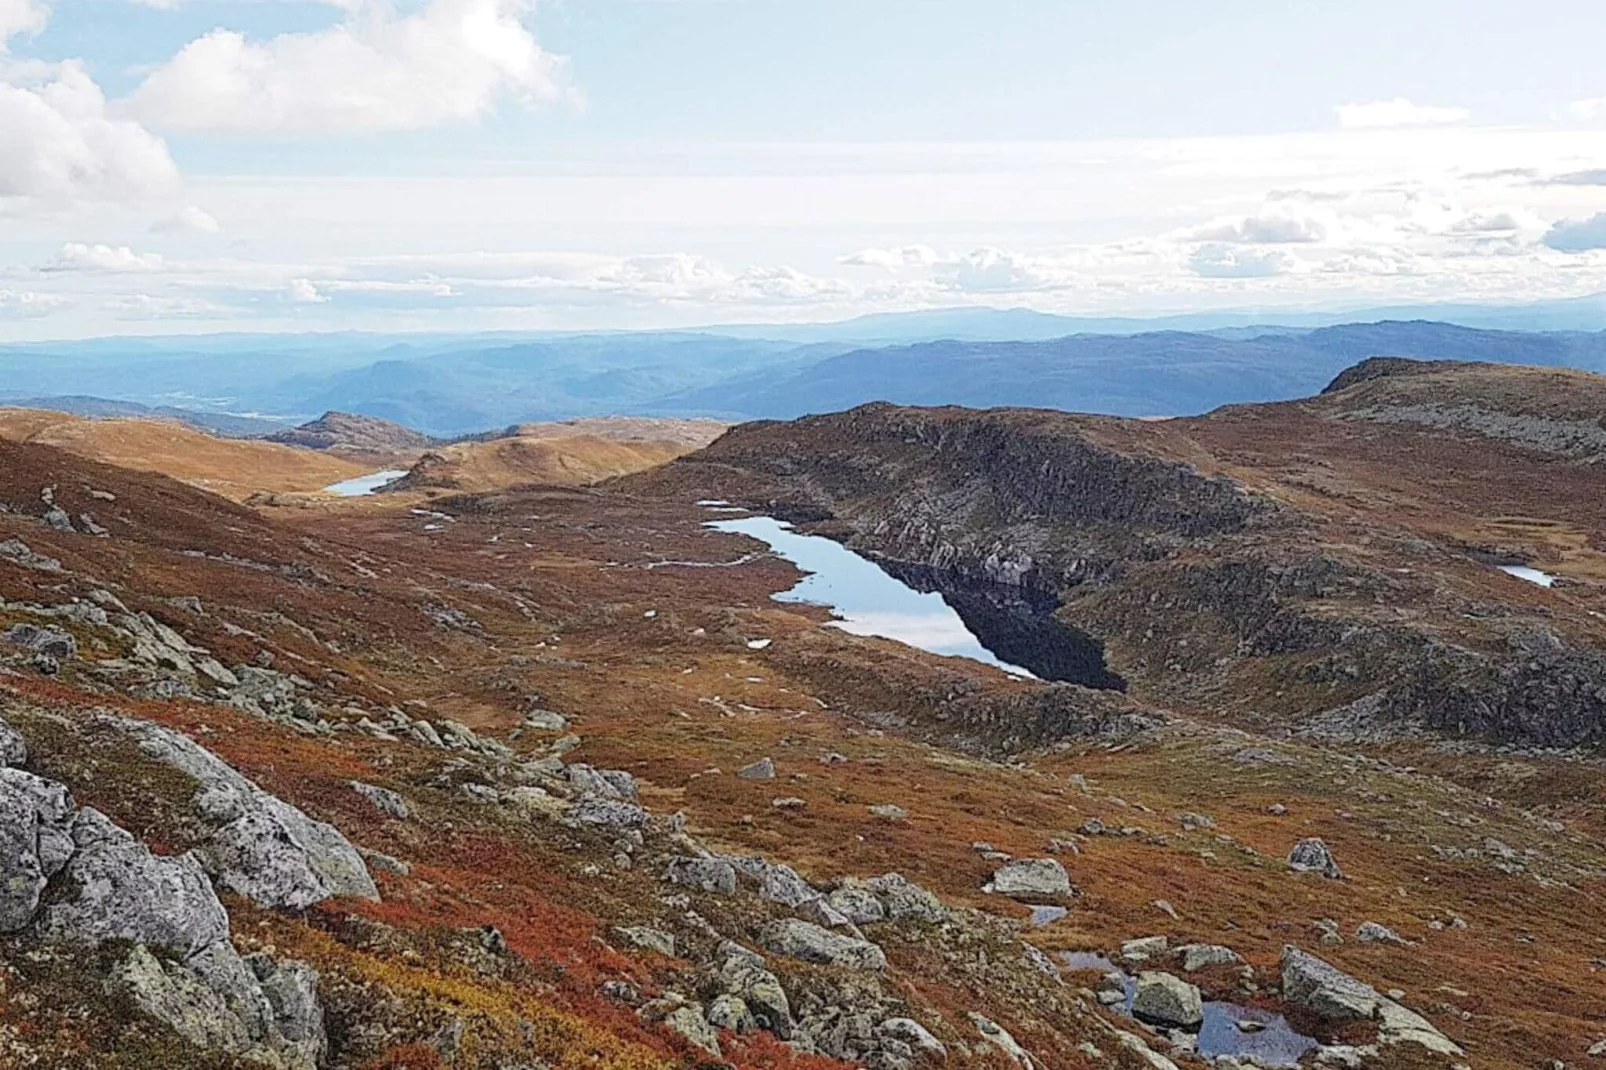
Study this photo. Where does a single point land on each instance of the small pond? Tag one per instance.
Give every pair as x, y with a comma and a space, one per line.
1532, 575
364, 485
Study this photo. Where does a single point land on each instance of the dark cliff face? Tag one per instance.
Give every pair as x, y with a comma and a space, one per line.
1207, 593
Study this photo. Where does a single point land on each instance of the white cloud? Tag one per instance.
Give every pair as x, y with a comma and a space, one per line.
21, 16
1578, 235
305, 292
1219, 261
894, 259
1000, 271
57, 142
1264, 229
26, 304
190, 220
450, 61
76, 256
1397, 112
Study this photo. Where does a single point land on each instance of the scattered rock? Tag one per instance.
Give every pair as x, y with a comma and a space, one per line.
1144, 949
889, 812
1312, 856
384, 800
788, 803
999, 1037
1204, 956
1335, 996
17, 552
1029, 878
1372, 932
706, 874
648, 939
763, 769
50, 641
904, 900
690, 1022
13, 748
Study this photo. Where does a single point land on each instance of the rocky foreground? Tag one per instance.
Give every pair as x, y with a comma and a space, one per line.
543, 778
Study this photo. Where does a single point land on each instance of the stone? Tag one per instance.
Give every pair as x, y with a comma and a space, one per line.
790, 802
384, 800
1030, 878
782, 884
732, 1013
689, 1022
1000, 1038
291, 989
607, 783
604, 812
1372, 932
1191, 821
904, 900
706, 874
17, 552
1312, 856
35, 843
546, 721
857, 904
1204, 956
889, 812
49, 641
1164, 1000
810, 943
1335, 996
648, 939
1144, 949
912, 1033
763, 769
258, 846
742, 973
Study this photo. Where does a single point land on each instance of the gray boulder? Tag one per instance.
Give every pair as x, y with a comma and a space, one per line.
47, 640
904, 900
782, 884
258, 845
1203, 956
1373, 932
602, 812
706, 874
1312, 856
1164, 1000
291, 989
912, 1033
742, 974
808, 942
1031, 878
608, 783
35, 843
731, 1012
688, 1020
1335, 996
857, 904
763, 769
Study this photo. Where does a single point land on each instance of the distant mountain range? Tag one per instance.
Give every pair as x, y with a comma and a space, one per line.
450, 386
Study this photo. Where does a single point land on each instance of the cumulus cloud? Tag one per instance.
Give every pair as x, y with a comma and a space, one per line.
1578, 235
190, 220
377, 70
27, 304
305, 292
58, 143
1397, 112
76, 256
1265, 229
21, 16
999, 271
1221, 261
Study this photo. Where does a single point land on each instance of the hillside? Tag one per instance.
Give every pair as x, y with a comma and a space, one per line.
544, 777
574, 452
352, 434
233, 468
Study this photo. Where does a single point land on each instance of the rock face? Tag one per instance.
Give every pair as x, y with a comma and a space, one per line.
112, 888
1168, 1001
1032, 878
258, 845
347, 431
50, 641
1335, 996
1312, 856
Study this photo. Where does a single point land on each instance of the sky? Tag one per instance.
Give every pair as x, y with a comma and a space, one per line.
180, 166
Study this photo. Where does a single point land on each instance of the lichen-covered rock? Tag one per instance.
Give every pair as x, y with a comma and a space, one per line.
13, 748
904, 900
602, 812
742, 973
1000, 1038
35, 842
782, 884
46, 640
608, 783
1204, 956
706, 874
912, 1033
384, 800
1335, 996
1312, 856
258, 846
690, 1023
732, 1013
857, 904
804, 940
291, 989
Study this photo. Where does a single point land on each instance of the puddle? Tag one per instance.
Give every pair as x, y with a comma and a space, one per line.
1532, 575
1008, 627
1042, 916
1271, 1041
364, 485
865, 597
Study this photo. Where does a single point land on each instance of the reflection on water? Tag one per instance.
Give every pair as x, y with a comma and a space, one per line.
1532, 575
864, 596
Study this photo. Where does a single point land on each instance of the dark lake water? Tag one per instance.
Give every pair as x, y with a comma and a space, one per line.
998, 625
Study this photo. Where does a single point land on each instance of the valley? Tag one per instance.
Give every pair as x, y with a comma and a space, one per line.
614, 804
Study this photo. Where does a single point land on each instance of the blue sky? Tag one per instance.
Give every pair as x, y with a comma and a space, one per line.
187, 165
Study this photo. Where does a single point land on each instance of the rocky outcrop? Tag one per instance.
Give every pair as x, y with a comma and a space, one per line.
809, 942
180, 967
257, 845
349, 431
1031, 879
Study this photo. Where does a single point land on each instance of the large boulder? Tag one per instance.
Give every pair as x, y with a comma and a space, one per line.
1313, 856
904, 900
804, 940
743, 975
1032, 878
1164, 1000
1334, 996
258, 845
